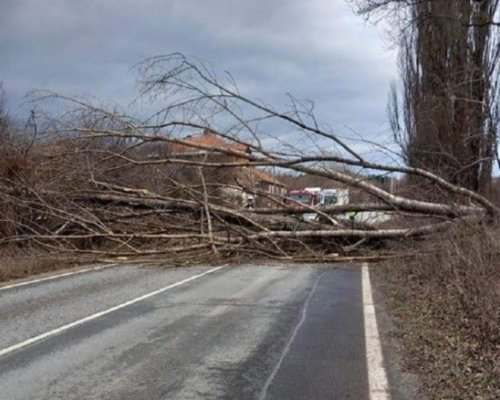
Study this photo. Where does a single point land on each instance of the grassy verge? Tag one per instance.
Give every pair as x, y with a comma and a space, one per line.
445, 304
15, 264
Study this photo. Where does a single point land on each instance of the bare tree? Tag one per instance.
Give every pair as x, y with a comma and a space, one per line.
448, 113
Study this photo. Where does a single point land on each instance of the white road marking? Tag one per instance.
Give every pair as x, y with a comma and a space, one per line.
57, 276
102, 313
377, 378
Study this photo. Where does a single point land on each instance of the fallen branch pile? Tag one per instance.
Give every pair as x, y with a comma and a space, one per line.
104, 184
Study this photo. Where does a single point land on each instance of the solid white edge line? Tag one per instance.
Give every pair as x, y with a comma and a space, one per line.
56, 276
377, 378
102, 313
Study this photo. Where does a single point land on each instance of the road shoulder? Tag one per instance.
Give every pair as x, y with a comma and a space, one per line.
404, 385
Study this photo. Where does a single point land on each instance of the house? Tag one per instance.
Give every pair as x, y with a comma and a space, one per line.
266, 184
240, 184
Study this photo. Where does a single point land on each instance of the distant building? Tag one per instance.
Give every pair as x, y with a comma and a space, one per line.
243, 185
265, 183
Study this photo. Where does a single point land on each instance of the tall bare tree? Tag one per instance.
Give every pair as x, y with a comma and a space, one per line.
446, 114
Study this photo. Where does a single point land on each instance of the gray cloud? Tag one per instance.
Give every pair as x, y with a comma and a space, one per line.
314, 49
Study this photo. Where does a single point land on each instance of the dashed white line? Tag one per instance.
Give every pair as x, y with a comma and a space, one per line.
102, 313
377, 378
57, 276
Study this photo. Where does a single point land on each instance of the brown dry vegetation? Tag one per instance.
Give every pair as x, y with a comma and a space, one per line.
17, 263
446, 306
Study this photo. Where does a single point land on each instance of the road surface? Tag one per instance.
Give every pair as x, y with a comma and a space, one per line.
130, 332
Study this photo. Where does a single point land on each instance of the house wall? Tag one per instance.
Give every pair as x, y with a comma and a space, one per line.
277, 190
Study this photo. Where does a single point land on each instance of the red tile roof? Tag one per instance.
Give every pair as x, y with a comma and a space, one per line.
209, 139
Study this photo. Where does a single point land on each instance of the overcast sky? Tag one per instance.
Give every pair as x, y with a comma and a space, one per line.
314, 49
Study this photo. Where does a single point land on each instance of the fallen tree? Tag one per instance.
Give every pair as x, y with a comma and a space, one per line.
104, 184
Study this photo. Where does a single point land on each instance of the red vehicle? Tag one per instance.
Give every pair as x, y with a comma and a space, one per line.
304, 196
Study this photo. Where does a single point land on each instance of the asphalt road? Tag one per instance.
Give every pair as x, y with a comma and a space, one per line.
253, 332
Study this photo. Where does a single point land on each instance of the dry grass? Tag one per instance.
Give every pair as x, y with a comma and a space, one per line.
446, 305
16, 264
